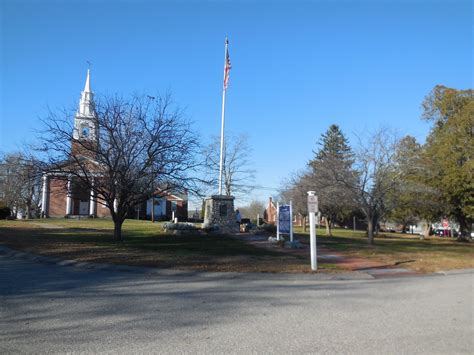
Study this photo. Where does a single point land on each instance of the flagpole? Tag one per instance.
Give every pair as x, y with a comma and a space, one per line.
223, 119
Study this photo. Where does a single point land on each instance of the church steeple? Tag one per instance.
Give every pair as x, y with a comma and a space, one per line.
87, 87
85, 122
86, 104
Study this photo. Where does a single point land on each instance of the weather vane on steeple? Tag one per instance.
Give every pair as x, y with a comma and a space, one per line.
89, 64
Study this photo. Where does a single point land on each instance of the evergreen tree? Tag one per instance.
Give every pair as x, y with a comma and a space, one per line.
334, 146
329, 169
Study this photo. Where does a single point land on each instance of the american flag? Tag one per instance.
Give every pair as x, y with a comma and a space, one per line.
227, 67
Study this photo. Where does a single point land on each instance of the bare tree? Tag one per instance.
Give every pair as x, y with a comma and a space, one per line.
345, 181
21, 183
144, 145
255, 208
376, 176
237, 173
295, 189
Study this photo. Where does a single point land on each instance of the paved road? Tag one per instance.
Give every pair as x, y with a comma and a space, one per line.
58, 309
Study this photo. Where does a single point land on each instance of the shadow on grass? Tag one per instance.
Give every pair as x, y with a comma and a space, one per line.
150, 240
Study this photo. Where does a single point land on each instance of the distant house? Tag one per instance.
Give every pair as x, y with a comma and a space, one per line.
270, 213
166, 207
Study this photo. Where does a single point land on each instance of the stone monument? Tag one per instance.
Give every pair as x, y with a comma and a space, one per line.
219, 211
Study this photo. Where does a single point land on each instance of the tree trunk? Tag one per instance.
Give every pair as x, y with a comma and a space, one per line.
464, 229
370, 231
304, 224
153, 208
328, 227
28, 210
426, 229
118, 229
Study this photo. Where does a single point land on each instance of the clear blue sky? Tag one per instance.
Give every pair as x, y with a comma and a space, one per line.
298, 66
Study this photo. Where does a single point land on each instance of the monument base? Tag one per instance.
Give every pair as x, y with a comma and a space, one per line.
219, 211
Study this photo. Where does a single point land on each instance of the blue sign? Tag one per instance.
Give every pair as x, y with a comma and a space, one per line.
284, 219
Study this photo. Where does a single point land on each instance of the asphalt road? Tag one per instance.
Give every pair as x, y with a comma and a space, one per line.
59, 309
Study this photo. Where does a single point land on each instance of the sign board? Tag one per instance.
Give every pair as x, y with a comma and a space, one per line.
313, 204
284, 219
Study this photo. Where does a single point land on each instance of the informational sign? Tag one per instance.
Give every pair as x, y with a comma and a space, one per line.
284, 219
312, 204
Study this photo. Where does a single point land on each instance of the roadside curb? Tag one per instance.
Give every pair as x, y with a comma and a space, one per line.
319, 276
455, 272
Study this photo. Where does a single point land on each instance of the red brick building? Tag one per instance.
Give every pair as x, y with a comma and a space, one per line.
64, 195
270, 213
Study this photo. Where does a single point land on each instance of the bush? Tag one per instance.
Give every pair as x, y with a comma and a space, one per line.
5, 212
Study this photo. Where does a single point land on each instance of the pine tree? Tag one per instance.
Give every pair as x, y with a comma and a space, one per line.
334, 145
332, 165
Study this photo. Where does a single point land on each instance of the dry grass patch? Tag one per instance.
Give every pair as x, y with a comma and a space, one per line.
145, 244
408, 251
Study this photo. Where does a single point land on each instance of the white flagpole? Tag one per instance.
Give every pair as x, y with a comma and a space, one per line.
223, 118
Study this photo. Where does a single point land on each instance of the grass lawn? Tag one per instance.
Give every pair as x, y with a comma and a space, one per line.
147, 245
408, 251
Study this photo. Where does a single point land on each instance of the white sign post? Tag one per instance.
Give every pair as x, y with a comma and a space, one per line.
313, 209
291, 221
278, 220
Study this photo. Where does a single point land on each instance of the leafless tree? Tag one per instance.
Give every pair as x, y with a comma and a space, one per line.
144, 145
336, 201
375, 177
21, 183
253, 209
295, 189
237, 173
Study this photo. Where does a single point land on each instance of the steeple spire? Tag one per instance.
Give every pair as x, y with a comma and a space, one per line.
85, 122
87, 87
86, 104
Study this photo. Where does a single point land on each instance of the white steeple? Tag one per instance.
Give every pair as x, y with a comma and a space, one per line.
86, 105
87, 87
85, 125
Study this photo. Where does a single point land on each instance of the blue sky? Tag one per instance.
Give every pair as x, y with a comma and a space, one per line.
297, 66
